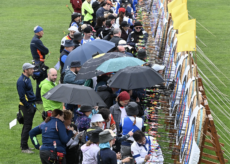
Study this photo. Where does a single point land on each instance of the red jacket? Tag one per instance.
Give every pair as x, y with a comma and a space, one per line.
76, 4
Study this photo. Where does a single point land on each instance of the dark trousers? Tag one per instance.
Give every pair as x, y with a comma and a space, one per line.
28, 115
45, 154
38, 81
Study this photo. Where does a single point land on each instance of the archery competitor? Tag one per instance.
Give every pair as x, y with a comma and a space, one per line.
138, 37
145, 149
130, 123
70, 36
39, 52
76, 20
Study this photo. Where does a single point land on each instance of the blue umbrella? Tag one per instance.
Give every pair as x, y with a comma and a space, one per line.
114, 65
85, 52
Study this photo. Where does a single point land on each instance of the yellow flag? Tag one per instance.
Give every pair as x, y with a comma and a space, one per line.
173, 4
187, 26
180, 19
185, 1
178, 10
186, 41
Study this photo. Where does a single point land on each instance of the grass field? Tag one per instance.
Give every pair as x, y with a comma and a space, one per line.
17, 20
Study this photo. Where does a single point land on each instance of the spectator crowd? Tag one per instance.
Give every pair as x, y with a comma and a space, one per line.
71, 133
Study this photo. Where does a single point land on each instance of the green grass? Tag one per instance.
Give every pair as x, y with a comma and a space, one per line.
17, 20
213, 15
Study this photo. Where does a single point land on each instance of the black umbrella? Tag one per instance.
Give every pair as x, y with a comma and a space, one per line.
135, 77
88, 69
74, 94
85, 52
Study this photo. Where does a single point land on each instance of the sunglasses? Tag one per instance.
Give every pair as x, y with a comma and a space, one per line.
137, 27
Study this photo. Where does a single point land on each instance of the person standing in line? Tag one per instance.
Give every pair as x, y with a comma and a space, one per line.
88, 31
27, 104
39, 51
69, 36
130, 123
87, 12
46, 85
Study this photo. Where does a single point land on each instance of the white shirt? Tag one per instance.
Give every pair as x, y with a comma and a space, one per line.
124, 19
123, 112
139, 152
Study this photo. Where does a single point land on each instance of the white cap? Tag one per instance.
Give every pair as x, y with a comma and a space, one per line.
158, 67
73, 28
97, 118
124, 44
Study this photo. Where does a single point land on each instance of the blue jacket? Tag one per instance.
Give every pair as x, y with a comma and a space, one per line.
100, 12
134, 5
54, 130
33, 133
70, 78
25, 90
38, 50
108, 156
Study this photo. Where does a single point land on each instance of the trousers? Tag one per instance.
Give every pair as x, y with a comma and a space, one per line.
28, 115
44, 156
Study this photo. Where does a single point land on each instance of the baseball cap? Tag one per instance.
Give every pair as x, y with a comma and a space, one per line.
73, 28
121, 10
38, 29
124, 44
27, 66
124, 24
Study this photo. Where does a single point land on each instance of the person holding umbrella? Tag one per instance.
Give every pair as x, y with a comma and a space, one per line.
68, 47
130, 123
91, 148
71, 74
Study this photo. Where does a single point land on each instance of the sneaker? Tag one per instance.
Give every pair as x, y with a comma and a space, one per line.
38, 102
27, 151
30, 148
